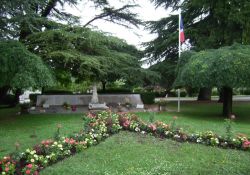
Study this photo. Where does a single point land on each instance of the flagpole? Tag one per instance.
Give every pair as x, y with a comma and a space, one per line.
179, 52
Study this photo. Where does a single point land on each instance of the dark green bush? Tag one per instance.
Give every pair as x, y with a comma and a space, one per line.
33, 98
148, 97
115, 91
57, 92
183, 93
8, 100
160, 94
246, 91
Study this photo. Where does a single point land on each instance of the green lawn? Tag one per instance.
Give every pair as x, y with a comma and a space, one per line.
29, 130
205, 116
135, 154
130, 153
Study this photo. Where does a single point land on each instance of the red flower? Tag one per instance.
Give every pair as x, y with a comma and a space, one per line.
29, 165
27, 171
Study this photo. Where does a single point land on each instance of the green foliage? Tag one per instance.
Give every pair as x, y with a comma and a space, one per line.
8, 100
148, 97
56, 91
229, 129
208, 25
88, 55
22, 69
224, 67
116, 91
166, 70
33, 99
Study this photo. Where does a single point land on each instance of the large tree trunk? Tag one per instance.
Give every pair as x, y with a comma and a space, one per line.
18, 92
227, 103
104, 86
205, 94
221, 95
3, 92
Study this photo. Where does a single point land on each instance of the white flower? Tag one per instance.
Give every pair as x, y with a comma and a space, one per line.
199, 140
32, 160
33, 152
59, 146
45, 161
27, 150
55, 143
3, 173
47, 157
143, 132
166, 132
36, 157
137, 129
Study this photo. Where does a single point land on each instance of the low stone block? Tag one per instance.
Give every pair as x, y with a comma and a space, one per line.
139, 106
98, 106
45, 105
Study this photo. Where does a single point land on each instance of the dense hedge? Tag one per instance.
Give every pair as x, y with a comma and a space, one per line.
8, 100
115, 91
57, 92
148, 97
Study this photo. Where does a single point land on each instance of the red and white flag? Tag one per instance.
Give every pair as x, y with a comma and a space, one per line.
182, 36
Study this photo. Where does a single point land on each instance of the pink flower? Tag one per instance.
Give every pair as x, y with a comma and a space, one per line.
72, 141
7, 169
126, 123
27, 172
152, 127
246, 144
67, 140
29, 166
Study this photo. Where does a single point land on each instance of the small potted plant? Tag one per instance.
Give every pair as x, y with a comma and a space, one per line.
162, 105
73, 107
66, 106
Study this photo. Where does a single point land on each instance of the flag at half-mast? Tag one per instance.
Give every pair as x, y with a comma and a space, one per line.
182, 36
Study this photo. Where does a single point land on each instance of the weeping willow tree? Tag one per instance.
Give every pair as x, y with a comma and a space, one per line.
20, 69
226, 67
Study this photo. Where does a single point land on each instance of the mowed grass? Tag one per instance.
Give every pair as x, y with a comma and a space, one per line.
195, 117
29, 130
135, 154
131, 153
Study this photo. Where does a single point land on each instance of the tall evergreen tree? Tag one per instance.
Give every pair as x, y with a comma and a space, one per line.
208, 24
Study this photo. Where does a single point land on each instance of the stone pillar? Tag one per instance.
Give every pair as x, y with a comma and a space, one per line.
94, 99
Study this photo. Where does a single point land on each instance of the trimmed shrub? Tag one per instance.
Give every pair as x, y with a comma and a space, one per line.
57, 92
115, 91
148, 97
8, 100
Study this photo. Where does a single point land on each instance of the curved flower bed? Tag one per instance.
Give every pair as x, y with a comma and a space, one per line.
99, 126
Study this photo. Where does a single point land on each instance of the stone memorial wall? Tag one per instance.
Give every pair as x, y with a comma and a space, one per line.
56, 100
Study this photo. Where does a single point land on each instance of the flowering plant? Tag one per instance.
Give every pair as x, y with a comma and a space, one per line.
7, 165
30, 169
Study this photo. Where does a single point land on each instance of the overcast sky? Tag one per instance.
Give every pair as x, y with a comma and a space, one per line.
134, 36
